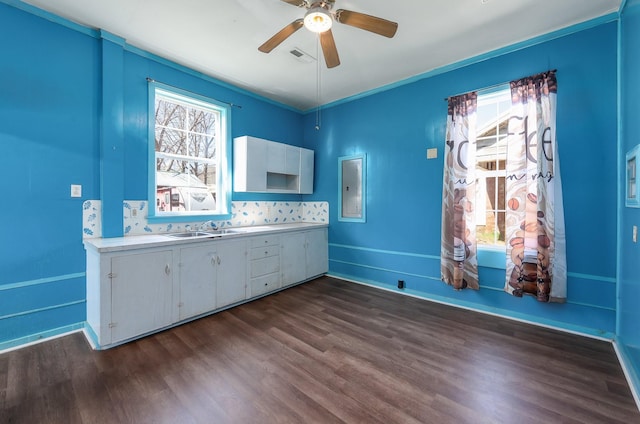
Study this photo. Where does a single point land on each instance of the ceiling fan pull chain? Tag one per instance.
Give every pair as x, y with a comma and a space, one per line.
318, 82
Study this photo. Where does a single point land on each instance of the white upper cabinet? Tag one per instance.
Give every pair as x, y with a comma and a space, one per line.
249, 164
306, 171
265, 166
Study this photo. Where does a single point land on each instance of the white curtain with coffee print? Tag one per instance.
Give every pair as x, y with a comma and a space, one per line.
459, 263
536, 247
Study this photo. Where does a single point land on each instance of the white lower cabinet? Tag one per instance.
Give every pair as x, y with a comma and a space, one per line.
317, 252
304, 255
133, 290
212, 275
264, 265
197, 285
294, 259
132, 295
232, 272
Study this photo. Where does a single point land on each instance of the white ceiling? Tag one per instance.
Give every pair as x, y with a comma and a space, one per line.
220, 38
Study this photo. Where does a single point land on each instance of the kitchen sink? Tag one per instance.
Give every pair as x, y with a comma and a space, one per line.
228, 231
192, 234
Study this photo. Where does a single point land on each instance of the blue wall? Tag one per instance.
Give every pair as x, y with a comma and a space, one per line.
629, 275
401, 238
49, 83
52, 97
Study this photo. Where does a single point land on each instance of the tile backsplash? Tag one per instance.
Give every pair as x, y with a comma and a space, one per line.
243, 214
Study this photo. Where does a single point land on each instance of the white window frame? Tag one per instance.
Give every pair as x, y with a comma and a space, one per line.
492, 255
222, 160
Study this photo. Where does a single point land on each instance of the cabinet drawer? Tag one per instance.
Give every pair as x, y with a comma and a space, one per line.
265, 241
265, 284
265, 251
265, 266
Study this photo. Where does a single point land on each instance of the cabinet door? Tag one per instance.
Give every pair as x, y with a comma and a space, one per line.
317, 253
197, 280
306, 171
275, 157
256, 165
292, 160
141, 294
249, 164
293, 258
232, 272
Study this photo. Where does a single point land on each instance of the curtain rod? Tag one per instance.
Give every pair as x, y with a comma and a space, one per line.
495, 85
197, 94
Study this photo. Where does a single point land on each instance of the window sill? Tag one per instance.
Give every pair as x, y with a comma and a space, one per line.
492, 257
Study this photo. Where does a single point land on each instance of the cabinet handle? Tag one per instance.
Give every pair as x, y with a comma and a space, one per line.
218, 260
167, 269
213, 261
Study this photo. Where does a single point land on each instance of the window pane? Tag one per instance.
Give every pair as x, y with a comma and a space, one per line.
171, 141
202, 146
501, 193
170, 114
202, 122
485, 233
500, 229
179, 190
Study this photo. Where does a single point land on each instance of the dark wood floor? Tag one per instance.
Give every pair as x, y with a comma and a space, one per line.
323, 352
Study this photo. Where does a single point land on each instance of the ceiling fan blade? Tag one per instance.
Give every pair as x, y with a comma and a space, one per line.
367, 22
281, 35
329, 49
298, 3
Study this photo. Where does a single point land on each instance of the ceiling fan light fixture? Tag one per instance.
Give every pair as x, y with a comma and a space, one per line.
318, 19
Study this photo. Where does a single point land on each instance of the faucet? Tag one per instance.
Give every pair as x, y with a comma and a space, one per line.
208, 225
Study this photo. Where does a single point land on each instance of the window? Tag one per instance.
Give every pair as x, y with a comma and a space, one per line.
189, 159
491, 155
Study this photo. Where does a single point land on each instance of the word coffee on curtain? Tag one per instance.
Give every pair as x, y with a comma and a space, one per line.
536, 258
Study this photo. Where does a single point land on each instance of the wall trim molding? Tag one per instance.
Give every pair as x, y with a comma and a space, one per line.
28, 283
482, 286
389, 252
627, 368
592, 277
525, 319
46, 308
43, 336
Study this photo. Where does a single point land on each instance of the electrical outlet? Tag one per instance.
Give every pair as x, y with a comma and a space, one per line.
432, 153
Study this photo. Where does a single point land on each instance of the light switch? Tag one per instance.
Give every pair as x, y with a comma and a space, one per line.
76, 190
432, 153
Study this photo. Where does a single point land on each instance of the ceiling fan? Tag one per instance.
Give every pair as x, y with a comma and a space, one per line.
319, 18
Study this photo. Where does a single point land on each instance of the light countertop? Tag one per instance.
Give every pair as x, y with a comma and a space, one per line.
104, 245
